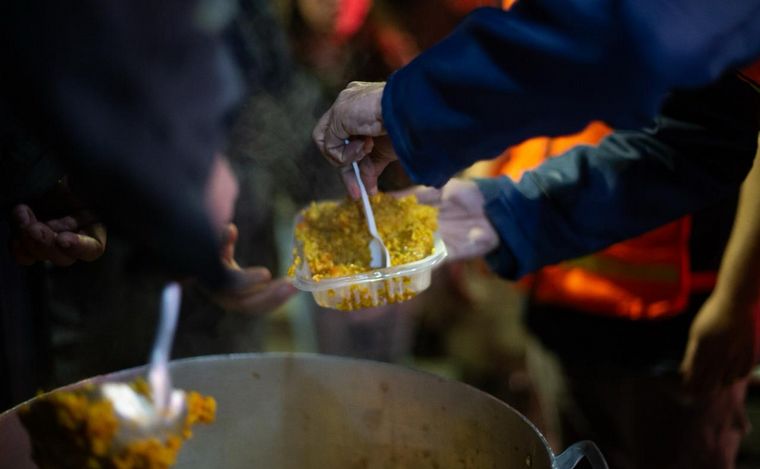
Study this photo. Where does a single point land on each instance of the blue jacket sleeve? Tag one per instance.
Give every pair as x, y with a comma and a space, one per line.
698, 151
548, 67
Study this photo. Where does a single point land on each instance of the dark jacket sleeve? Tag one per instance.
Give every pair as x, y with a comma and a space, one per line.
133, 97
548, 67
696, 153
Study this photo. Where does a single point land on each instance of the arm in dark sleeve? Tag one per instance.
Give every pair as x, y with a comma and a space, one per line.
699, 150
548, 67
133, 97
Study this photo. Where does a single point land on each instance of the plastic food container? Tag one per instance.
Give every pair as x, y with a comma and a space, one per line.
373, 288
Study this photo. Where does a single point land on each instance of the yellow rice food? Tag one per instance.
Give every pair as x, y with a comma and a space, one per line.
75, 429
334, 242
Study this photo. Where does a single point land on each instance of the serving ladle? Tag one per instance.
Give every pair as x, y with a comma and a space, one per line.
162, 413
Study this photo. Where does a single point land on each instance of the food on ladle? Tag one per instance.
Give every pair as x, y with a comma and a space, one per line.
78, 429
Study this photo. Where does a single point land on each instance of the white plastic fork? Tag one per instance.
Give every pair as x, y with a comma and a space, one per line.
379, 255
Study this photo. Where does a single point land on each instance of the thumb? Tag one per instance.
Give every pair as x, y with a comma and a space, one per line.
230, 237
428, 195
687, 363
23, 216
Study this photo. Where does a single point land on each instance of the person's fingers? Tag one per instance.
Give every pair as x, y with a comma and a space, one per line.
36, 237
46, 250
230, 237
703, 379
355, 149
276, 293
686, 369
335, 143
348, 176
357, 112
248, 282
368, 145
73, 223
67, 223
79, 246
220, 193
23, 215
97, 231
427, 195
318, 135
342, 151
381, 154
259, 294
370, 170
63, 249
37, 241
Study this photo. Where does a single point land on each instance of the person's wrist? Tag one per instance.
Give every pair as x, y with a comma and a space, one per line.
734, 300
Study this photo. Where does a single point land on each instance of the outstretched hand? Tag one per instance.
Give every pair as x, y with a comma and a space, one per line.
62, 241
462, 221
722, 345
254, 292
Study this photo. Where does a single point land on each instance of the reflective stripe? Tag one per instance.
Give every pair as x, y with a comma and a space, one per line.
620, 269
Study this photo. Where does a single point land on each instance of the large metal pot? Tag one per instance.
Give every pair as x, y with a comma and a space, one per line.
312, 411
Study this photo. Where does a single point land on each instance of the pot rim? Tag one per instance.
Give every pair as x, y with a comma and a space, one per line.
302, 356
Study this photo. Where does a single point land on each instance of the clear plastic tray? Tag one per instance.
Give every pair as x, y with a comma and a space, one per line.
373, 288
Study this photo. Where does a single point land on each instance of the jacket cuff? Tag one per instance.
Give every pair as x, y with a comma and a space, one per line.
501, 260
420, 168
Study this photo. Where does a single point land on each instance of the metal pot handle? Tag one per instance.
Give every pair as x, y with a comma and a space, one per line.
577, 451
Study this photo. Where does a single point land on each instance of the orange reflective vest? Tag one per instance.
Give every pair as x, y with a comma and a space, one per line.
643, 278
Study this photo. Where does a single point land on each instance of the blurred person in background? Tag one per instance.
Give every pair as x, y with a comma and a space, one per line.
106, 305
54, 317
133, 112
